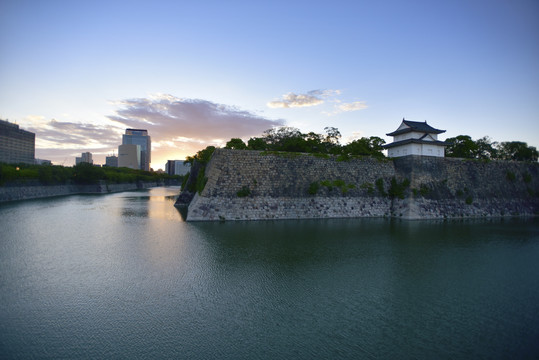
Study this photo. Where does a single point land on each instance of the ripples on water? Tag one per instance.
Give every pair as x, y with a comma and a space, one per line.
123, 276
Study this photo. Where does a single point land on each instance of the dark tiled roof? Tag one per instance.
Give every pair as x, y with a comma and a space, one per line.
416, 126
415, 141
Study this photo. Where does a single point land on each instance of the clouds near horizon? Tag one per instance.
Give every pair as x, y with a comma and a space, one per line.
178, 127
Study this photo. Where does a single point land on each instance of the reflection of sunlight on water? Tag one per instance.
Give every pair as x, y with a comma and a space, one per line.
155, 203
157, 220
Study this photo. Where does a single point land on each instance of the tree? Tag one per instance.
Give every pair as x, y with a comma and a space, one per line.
333, 135
485, 148
202, 156
461, 146
371, 146
236, 143
256, 144
517, 150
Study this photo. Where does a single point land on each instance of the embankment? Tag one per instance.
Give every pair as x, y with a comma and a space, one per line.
35, 190
254, 185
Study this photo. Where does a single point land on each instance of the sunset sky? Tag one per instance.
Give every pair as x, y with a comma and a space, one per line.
197, 73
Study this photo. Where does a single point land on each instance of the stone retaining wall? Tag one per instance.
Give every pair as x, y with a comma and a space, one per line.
35, 191
254, 185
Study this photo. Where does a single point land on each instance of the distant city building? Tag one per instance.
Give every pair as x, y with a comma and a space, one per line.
129, 156
141, 138
111, 161
415, 138
177, 167
86, 157
42, 162
16, 145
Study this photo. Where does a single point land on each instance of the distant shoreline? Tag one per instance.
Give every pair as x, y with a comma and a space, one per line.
20, 192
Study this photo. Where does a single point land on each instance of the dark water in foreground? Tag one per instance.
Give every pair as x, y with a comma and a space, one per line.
122, 276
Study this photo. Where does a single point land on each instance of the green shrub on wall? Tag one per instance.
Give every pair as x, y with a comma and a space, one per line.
201, 180
313, 188
380, 186
244, 191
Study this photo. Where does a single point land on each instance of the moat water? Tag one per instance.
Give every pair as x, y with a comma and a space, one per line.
123, 276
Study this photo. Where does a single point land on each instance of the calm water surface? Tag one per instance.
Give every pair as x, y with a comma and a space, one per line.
123, 276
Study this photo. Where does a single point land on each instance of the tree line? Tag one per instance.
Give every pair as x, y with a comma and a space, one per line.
463, 146
83, 173
290, 139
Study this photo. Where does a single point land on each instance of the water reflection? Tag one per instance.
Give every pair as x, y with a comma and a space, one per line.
123, 276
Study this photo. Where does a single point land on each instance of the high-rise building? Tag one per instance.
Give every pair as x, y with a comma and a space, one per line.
16, 145
140, 137
85, 157
129, 156
111, 161
177, 167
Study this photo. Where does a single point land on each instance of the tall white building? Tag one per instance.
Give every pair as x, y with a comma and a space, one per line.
141, 138
415, 138
129, 156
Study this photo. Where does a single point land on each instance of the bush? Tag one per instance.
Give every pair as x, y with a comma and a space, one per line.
313, 188
380, 186
510, 176
397, 189
244, 191
201, 180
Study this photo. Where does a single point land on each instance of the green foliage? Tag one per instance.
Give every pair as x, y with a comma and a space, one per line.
517, 150
86, 173
339, 184
369, 187
380, 186
184, 180
82, 173
371, 146
244, 191
201, 180
7, 173
203, 156
256, 144
343, 157
290, 139
313, 188
463, 146
397, 189
510, 175
527, 177
424, 190
469, 200
236, 143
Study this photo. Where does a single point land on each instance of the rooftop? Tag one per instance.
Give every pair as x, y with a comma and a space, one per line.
415, 126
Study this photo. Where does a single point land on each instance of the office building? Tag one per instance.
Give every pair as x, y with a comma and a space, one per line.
111, 161
129, 156
85, 157
177, 167
141, 138
16, 145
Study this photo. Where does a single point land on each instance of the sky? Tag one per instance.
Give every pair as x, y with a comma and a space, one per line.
198, 73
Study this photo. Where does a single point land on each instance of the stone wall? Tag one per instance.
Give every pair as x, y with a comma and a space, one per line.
449, 187
36, 190
254, 185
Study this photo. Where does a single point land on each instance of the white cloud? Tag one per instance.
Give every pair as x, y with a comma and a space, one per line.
167, 117
311, 98
178, 127
354, 106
